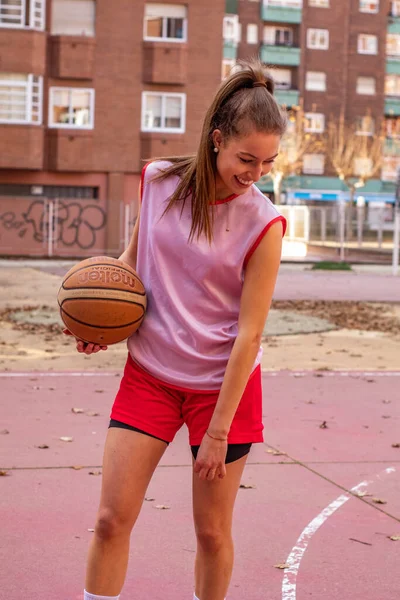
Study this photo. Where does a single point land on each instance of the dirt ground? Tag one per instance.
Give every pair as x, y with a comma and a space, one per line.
360, 336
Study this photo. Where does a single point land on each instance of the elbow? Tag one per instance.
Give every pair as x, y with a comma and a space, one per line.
252, 339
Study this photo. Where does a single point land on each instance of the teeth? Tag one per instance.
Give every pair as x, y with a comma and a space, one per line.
244, 182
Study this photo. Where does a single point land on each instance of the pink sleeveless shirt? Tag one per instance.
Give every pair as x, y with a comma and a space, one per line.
193, 289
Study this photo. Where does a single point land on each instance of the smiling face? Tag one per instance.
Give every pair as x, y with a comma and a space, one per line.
242, 161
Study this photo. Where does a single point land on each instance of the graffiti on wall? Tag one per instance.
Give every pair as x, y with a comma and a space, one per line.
64, 223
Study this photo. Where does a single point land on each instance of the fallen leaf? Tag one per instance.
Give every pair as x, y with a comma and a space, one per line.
323, 425
379, 501
42, 447
92, 413
149, 499
275, 452
385, 416
4, 432
94, 472
77, 411
161, 507
77, 467
362, 494
66, 439
282, 566
247, 486
394, 538
4, 473
397, 445
99, 391
91, 530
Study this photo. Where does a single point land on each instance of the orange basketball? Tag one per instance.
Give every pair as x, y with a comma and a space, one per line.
102, 300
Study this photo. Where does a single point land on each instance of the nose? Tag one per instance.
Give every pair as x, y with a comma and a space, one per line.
257, 173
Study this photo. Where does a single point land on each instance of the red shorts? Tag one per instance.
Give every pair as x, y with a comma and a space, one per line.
160, 409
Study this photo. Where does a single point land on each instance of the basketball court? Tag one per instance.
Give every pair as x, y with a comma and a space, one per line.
320, 497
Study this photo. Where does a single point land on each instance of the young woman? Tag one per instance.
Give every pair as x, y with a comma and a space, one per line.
207, 245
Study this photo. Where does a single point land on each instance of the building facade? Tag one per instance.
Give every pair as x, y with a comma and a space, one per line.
88, 90
334, 57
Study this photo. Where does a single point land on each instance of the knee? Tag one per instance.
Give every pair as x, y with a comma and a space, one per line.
212, 540
111, 525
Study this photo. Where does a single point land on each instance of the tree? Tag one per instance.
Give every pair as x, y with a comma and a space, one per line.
296, 143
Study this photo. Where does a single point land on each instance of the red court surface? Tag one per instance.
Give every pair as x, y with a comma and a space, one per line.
303, 510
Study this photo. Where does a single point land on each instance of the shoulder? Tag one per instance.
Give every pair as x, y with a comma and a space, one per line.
154, 168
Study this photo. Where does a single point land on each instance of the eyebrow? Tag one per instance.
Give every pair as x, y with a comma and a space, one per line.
252, 155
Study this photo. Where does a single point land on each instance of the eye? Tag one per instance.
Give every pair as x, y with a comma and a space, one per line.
243, 160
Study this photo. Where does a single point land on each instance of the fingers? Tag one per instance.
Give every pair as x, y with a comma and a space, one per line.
207, 473
87, 348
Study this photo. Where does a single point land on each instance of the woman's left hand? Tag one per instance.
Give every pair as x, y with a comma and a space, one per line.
210, 461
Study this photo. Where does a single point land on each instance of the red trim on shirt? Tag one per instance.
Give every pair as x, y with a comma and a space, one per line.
262, 234
142, 182
228, 199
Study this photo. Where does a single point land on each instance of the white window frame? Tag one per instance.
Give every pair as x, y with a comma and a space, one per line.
359, 166
34, 20
284, 3
395, 8
161, 129
32, 89
56, 125
358, 84
164, 37
319, 3
81, 22
363, 41
369, 6
393, 44
252, 28
394, 79
286, 82
313, 170
227, 63
362, 123
317, 122
231, 31
390, 168
276, 34
320, 41
316, 89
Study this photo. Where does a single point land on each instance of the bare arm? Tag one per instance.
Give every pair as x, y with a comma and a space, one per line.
258, 287
130, 254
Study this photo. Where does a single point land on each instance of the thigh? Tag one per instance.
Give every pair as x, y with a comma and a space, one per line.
130, 459
213, 501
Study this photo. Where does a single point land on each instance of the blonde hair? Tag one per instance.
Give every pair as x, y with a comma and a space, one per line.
244, 102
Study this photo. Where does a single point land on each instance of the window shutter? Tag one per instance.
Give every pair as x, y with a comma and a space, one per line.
175, 11
73, 17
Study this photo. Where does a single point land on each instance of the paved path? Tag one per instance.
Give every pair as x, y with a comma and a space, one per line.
302, 510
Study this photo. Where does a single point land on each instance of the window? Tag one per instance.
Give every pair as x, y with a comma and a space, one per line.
319, 3
252, 34
166, 22
395, 8
314, 122
392, 127
21, 98
313, 164
369, 6
21, 14
284, 3
71, 108
318, 39
227, 65
163, 112
365, 125
393, 44
390, 168
367, 44
366, 86
315, 81
362, 166
73, 17
278, 36
282, 78
392, 85
231, 29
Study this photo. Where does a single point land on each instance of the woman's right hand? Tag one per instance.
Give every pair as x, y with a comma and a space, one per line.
85, 347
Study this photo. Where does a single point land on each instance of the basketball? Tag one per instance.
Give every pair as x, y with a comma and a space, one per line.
102, 300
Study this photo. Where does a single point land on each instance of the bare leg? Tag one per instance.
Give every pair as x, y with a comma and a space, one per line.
130, 459
213, 503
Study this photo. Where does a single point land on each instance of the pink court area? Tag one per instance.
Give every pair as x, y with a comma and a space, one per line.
321, 495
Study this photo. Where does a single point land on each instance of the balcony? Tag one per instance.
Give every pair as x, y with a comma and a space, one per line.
282, 11
287, 97
72, 57
23, 51
230, 50
231, 7
280, 55
392, 106
21, 147
393, 65
165, 63
70, 150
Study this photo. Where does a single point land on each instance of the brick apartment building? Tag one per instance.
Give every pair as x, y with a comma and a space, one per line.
88, 89
335, 57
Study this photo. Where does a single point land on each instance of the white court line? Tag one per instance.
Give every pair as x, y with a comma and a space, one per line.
63, 374
289, 583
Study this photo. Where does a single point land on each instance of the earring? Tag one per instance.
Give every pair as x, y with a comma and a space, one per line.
216, 150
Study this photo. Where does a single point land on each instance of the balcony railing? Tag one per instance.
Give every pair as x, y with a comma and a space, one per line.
282, 11
280, 55
287, 97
